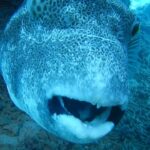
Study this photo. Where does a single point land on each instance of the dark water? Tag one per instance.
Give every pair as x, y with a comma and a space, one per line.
19, 132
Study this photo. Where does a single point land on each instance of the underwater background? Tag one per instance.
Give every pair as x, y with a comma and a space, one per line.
19, 132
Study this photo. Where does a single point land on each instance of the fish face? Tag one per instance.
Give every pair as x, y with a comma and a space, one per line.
80, 86
72, 79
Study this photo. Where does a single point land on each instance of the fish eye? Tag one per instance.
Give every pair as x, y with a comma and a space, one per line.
135, 29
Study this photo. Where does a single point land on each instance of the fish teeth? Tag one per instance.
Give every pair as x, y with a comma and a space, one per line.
93, 103
98, 106
62, 104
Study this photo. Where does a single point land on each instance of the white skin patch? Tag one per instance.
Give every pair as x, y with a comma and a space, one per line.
82, 130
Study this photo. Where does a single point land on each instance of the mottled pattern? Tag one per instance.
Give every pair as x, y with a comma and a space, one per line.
76, 49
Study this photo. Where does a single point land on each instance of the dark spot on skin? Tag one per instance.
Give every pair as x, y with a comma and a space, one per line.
45, 8
40, 16
50, 9
39, 8
34, 2
34, 13
135, 29
1, 106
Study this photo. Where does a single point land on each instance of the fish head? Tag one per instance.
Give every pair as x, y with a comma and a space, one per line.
70, 70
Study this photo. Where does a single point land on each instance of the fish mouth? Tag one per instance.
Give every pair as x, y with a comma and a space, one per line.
85, 116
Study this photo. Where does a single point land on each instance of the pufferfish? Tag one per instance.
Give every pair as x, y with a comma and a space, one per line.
66, 64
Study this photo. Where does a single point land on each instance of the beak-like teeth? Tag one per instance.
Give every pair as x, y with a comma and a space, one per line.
98, 106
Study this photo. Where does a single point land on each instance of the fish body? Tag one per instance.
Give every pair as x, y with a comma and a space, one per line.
65, 63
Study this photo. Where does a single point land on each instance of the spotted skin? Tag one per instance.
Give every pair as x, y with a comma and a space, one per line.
72, 48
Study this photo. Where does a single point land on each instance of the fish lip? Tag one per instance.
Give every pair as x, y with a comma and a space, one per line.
79, 132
